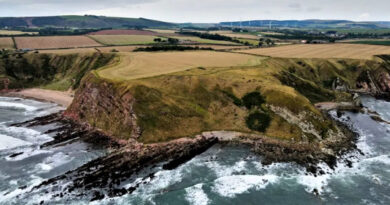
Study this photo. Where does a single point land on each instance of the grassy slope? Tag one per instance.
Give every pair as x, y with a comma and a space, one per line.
188, 102
57, 72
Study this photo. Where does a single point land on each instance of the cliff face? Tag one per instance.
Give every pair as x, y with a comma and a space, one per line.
101, 105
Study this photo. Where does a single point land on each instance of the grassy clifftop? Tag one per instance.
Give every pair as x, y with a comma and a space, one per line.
202, 97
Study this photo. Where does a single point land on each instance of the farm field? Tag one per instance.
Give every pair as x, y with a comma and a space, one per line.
6, 43
193, 39
69, 51
108, 49
123, 32
351, 51
372, 42
15, 33
49, 42
142, 65
162, 31
124, 39
236, 35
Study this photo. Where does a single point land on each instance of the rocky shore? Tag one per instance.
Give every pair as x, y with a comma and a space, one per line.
116, 174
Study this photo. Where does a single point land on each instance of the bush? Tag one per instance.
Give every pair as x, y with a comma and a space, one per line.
237, 101
253, 99
258, 121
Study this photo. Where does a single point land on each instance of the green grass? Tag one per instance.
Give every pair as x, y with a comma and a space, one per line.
202, 40
373, 42
119, 40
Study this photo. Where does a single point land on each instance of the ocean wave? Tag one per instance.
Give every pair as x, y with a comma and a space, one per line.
196, 196
26, 134
230, 186
16, 106
53, 161
8, 142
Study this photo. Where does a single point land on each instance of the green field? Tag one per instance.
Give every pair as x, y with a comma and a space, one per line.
118, 40
373, 42
192, 39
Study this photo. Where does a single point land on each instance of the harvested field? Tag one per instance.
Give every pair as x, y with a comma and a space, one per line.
351, 51
124, 32
124, 39
69, 51
15, 33
49, 42
142, 65
108, 49
6, 43
162, 31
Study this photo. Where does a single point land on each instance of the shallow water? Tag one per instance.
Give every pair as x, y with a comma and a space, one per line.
33, 165
221, 175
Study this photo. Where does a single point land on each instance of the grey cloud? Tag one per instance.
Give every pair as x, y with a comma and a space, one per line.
203, 10
313, 9
295, 5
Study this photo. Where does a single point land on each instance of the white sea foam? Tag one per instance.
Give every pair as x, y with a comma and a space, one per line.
26, 134
7, 142
53, 161
27, 152
230, 186
225, 170
17, 106
195, 195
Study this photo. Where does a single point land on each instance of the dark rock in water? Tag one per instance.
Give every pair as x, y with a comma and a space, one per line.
186, 156
69, 130
349, 163
312, 169
315, 192
97, 196
126, 164
16, 154
339, 113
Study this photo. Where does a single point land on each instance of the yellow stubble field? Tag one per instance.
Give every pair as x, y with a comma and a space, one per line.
349, 51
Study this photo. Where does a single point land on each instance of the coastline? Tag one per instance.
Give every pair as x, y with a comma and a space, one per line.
62, 98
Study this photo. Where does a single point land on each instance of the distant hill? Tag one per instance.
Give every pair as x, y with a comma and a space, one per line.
310, 24
87, 21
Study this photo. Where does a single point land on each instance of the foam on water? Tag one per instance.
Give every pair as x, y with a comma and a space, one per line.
16, 106
53, 161
7, 142
26, 153
196, 196
25, 134
230, 186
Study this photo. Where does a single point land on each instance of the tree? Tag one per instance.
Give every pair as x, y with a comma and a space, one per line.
173, 41
158, 40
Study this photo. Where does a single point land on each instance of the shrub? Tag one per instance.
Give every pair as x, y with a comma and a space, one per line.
237, 101
258, 121
253, 99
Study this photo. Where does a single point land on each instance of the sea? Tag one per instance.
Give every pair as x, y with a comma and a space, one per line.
223, 175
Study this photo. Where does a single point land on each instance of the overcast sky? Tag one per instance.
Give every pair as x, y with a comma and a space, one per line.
205, 10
